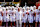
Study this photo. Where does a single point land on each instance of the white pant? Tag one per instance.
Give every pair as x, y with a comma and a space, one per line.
17, 23
4, 19
1, 18
31, 20
23, 20
37, 18
7, 20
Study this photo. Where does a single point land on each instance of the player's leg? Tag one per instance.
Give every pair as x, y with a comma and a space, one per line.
0, 22
24, 23
36, 22
5, 21
39, 21
29, 22
9, 24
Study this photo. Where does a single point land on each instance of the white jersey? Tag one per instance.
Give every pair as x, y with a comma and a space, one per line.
4, 13
9, 12
26, 14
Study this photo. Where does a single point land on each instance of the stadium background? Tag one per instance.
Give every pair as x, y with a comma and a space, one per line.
22, 2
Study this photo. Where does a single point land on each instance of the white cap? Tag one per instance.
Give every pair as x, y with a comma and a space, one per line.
27, 7
0, 9
15, 8
34, 7
20, 7
23, 7
31, 8
17, 5
6, 7
12, 6
0, 5
38, 7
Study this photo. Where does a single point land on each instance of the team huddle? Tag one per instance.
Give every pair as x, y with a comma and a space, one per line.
19, 15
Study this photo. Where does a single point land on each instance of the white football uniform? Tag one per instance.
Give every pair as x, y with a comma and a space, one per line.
30, 17
9, 12
39, 15
4, 16
27, 15
7, 17
37, 19
12, 16
17, 15
24, 18
34, 16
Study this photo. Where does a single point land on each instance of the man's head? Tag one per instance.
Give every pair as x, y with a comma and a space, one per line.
12, 7
34, 7
38, 7
31, 8
23, 9
27, 8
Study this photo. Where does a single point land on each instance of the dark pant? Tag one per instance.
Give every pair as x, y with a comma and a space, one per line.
22, 24
14, 23
9, 23
33, 23
3, 23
